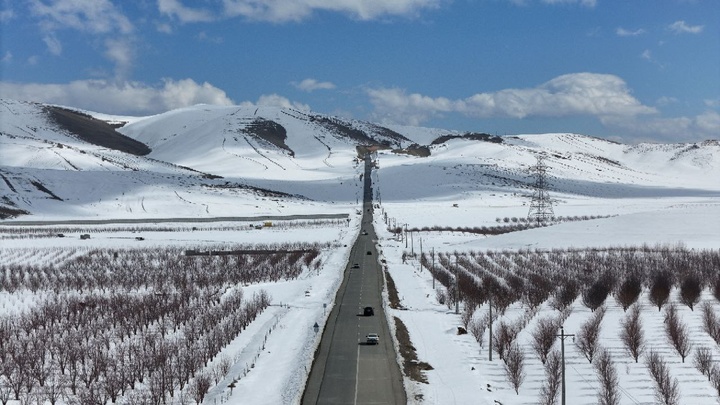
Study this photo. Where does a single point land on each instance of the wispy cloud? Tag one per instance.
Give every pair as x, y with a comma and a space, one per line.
681, 27
97, 18
586, 3
310, 85
622, 32
131, 98
568, 95
297, 10
175, 9
53, 44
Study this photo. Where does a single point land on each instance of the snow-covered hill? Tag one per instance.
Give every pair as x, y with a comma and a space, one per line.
211, 161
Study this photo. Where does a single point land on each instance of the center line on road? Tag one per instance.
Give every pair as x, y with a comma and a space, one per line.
357, 373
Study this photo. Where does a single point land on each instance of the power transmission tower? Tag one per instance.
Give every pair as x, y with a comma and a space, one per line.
541, 209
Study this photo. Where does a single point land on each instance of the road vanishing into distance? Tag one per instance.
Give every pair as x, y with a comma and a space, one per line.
346, 370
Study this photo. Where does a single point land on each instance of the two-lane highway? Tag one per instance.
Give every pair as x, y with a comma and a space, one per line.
346, 370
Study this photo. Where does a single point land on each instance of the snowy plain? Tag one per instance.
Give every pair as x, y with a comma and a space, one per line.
647, 194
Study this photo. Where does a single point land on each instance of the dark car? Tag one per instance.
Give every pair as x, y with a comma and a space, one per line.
355, 266
369, 253
368, 311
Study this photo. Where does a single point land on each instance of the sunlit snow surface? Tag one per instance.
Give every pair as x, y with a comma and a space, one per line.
648, 194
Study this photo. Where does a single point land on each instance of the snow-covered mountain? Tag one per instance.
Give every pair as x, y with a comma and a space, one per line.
212, 161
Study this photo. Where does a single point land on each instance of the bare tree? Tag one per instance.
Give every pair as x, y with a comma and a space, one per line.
632, 334
607, 374
711, 324
200, 387
587, 337
629, 291
477, 329
715, 378
544, 336
660, 289
553, 374
504, 337
667, 388
690, 290
703, 361
677, 332
514, 366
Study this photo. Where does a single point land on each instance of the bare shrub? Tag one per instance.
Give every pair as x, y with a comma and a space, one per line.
586, 339
477, 328
514, 366
544, 336
553, 375
703, 361
565, 295
629, 291
715, 378
607, 374
467, 314
440, 296
632, 334
716, 289
667, 388
677, 332
595, 295
690, 290
660, 289
200, 387
504, 337
711, 324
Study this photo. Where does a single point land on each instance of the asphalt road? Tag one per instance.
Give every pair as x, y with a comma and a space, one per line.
346, 370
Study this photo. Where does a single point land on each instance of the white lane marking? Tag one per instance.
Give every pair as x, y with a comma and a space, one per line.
357, 373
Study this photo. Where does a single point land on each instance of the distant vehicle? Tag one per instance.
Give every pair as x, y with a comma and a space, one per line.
372, 339
364, 232
355, 266
368, 311
369, 253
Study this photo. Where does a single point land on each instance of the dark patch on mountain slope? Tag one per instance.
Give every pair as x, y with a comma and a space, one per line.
44, 189
95, 131
388, 133
341, 129
264, 192
414, 150
472, 136
269, 131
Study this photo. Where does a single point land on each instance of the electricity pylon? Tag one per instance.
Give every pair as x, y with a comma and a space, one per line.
541, 209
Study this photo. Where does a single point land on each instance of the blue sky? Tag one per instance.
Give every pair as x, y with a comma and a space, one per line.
627, 70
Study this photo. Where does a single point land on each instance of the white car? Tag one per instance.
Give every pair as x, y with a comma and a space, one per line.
372, 339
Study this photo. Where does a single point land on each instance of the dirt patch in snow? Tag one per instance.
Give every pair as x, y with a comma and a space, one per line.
412, 367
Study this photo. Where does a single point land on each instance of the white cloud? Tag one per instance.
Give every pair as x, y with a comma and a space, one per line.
622, 32
664, 100
129, 98
712, 103
99, 18
121, 53
175, 9
53, 44
298, 10
274, 100
647, 55
586, 3
677, 129
93, 16
7, 57
310, 85
680, 27
6, 15
568, 95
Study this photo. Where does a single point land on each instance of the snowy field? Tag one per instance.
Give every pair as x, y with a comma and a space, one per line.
650, 197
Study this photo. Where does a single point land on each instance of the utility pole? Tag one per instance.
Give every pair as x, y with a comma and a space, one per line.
405, 236
562, 336
432, 272
457, 288
421, 256
412, 245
